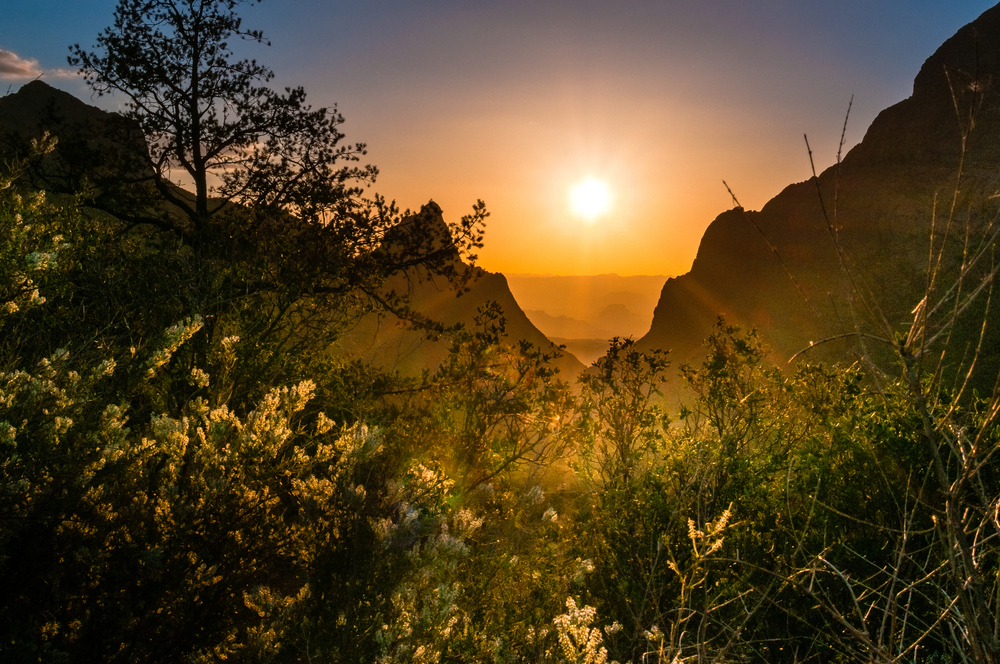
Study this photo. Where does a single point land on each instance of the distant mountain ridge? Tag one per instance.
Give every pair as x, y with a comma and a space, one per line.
882, 202
588, 307
611, 321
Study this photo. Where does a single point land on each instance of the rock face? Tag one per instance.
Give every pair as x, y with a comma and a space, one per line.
38, 106
91, 142
387, 341
889, 206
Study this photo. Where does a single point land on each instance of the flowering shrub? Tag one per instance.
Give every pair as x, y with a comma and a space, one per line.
579, 643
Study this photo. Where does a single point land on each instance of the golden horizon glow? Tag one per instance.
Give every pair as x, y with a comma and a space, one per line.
590, 199
516, 105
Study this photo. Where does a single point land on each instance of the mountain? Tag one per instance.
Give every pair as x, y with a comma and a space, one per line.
566, 327
388, 341
37, 105
888, 205
588, 307
587, 351
93, 141
589, 339
583, 313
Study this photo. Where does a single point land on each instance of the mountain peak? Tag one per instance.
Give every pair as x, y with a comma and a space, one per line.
421, 233
970, 52
37, 105
780, 269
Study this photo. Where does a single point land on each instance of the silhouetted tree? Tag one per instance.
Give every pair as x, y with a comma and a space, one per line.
210, 121
206, 114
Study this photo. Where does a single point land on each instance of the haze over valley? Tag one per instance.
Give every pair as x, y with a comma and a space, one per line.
585, 312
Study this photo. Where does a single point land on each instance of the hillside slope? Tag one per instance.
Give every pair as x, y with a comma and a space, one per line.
779, 269
386, 340
93, 141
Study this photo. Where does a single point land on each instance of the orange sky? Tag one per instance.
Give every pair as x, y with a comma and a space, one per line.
514, 101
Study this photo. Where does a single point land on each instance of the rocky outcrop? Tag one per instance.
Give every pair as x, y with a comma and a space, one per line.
93, 146
394, 344
889, 207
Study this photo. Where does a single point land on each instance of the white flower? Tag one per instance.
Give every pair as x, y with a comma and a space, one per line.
199, 378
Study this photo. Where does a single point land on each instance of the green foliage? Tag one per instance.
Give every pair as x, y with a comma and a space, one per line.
187, 472
175, 485
112, 518
625, 425
498, 420
664, 559
186, 476
171, 488
493, 408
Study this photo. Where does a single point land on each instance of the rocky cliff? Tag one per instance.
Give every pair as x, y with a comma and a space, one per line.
388, 341
914, 199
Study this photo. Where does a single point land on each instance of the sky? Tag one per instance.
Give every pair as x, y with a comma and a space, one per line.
516, 102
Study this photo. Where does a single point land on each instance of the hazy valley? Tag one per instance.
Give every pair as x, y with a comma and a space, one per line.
585, 312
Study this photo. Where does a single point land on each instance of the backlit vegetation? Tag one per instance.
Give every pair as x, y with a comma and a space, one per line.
189, 473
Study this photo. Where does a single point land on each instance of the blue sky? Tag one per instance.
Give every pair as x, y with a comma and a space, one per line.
513, 102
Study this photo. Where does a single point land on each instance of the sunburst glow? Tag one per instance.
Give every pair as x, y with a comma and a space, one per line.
590, 199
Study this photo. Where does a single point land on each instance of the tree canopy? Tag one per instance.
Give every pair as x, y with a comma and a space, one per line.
211, 121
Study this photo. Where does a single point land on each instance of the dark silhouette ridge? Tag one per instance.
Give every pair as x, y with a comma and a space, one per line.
37, 106
389, 342
882, 202
89, 139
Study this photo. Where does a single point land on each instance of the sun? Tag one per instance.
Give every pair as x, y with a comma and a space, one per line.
590, 199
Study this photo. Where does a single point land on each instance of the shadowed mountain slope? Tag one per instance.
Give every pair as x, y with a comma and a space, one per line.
386, 340
889, 205
37, 105
93, 141
90, 141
